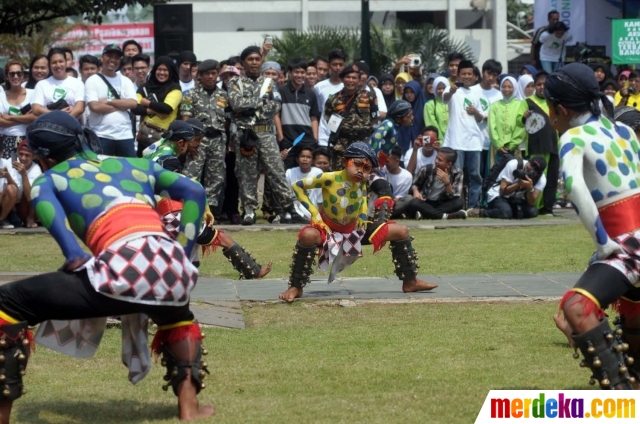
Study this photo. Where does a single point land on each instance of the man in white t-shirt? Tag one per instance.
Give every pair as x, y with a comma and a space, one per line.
326, 88
424, 150
400, 180
109, 105
185, 62
519, 186
304, 170
491, 69
463, 133
28, 171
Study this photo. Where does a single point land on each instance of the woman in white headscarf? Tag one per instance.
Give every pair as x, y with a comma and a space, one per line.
526, 87
436, 113
506, 128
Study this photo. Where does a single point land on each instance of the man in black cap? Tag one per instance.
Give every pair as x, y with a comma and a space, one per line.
208, 103
255, 100
517, 188
110, 96
185, 61
350, 114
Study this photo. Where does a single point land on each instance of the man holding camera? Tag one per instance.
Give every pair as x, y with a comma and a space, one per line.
424, 150
412, 64
521, 183
208, 103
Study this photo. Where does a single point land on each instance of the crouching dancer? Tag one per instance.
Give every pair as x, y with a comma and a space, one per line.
340, 227
135, 269
601, 171
209, 237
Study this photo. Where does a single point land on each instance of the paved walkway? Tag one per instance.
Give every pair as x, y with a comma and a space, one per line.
217, 301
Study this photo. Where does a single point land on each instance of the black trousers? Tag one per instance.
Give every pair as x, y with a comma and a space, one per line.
433, 209
550, 190
231, 190
501, 208
65, 295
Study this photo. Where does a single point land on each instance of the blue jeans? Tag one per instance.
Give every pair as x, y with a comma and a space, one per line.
121, 148
470, 162
549, 66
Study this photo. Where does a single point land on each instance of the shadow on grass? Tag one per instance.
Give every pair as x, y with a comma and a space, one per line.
94, 412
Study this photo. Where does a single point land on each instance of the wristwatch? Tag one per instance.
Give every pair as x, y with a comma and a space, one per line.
532, 190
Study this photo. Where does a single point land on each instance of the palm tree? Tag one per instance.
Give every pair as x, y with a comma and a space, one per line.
51, 34
388, 45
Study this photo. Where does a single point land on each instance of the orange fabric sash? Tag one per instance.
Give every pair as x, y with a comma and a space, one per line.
121, 221
166, 206
621, 217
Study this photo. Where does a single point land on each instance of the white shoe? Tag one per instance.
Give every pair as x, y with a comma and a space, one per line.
6, 225
418, 216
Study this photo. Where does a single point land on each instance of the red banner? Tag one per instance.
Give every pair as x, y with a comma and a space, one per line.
102, 35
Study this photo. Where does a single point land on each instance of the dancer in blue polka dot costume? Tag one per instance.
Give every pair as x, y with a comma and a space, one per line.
601, 171
135, 270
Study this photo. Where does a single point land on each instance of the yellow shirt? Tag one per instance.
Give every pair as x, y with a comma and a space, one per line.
173, 99
633, 101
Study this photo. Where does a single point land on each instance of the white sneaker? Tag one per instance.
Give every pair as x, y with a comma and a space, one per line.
418, 216
6, 225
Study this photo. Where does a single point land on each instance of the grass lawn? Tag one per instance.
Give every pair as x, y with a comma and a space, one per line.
446, 251
307, 363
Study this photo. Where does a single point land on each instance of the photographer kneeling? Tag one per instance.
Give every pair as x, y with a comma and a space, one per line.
521, 182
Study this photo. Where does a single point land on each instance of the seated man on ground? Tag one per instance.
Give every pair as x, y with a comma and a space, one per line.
437, 189
424, 150
520, 184
340, 226
29, 170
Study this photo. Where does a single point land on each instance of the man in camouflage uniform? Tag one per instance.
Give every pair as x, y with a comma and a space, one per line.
358, 109
255, 100
207, 102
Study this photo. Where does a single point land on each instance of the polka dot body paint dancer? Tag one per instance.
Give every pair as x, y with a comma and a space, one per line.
135, 270
340, 227
601, 171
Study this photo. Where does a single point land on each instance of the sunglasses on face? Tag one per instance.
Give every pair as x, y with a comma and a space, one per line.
15, 74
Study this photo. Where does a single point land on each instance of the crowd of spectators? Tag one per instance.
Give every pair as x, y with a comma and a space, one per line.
475, 142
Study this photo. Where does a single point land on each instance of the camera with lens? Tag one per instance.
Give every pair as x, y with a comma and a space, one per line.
521, 174
582, 53
415, 61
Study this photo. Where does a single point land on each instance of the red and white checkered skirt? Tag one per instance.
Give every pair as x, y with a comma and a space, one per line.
148, 269
351, 244
628, 262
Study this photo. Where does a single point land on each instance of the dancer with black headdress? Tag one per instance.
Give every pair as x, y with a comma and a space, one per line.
135, 270
601, 172
340, 227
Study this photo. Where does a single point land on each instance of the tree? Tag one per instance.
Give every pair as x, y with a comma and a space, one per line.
51, 34
388, 45
24, 17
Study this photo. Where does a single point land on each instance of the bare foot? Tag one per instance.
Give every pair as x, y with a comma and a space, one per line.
265, 270
563, 326
416, 284
188, 406
291, 294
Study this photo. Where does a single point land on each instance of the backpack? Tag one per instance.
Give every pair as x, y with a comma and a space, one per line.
496, 169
